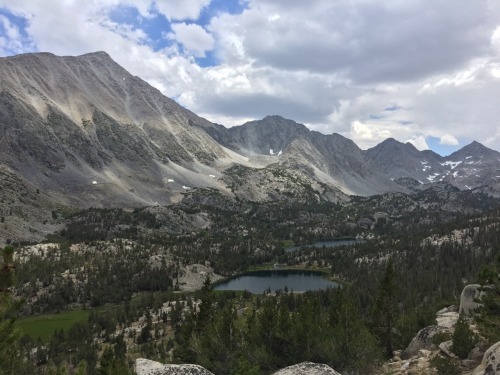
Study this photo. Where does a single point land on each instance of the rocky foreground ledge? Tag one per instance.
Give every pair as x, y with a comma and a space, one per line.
147, 367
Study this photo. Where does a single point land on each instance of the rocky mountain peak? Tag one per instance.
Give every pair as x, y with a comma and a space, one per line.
475, 149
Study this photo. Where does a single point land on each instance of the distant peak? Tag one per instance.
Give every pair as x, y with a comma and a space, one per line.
475, 145
95, 54
101, 55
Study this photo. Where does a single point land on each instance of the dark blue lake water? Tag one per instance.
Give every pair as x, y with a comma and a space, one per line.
258, 282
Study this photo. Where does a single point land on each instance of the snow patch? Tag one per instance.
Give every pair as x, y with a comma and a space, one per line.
468, 157
431, 177
186, 187
452, 164
94, 182
170, 180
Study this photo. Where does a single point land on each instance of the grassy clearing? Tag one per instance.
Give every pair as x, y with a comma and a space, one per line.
43, 326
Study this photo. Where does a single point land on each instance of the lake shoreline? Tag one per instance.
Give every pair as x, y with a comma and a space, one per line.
309, 279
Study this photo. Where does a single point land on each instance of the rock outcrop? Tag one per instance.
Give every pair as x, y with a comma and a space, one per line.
468, 299
147, 367
446, 319
423, 340
491, 362
307, 368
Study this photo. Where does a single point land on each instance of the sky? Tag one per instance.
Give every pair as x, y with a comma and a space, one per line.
414, 70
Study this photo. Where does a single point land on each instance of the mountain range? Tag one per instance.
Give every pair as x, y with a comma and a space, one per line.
82, 132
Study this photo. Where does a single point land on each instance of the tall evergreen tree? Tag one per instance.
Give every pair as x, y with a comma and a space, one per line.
386, 310
463, 338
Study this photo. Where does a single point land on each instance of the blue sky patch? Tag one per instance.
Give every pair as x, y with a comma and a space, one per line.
443, 150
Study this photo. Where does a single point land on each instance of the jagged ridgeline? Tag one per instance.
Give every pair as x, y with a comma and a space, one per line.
83, 132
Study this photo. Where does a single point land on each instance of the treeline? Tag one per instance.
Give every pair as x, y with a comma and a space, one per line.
91, 275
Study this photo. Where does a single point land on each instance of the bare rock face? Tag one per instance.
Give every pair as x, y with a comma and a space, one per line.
423, 340
307, 368
447, 318
147, 367
491, 362
467, 299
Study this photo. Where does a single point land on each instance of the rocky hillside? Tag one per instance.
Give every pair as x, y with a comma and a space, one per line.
86, 128
83, 132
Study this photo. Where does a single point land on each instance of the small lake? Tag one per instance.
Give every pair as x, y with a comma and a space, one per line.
259, 281
326, 244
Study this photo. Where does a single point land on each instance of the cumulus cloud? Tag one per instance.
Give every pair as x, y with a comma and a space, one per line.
11, 39
192, 37
367, 41
448, 139
181, 9
419, 143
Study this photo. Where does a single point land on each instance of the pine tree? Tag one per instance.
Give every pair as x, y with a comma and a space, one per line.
206, 307
386, 310
463, 338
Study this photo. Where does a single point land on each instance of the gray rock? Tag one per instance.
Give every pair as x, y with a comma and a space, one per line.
467, 299
147, 367
445, 348
308, 368
423, 340
446, 320
491, 362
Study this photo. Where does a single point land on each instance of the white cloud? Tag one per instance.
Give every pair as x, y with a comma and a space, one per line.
192, 37
11, 40
369, 134
419, 143
448, 139
181, 9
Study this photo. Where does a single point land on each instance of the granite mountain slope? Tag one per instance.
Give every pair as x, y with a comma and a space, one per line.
87, 133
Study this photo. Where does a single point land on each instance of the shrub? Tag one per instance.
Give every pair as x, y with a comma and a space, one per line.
445, 366
463, 338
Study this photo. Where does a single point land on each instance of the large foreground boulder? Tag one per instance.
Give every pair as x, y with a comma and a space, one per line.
308, 368
491, 362
468, 299
147, 367
423, 340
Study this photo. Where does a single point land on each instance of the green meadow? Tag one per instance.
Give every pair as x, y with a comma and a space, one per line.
43, 326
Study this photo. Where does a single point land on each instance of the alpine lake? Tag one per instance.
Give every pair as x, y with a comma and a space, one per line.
260, 281
278, 279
